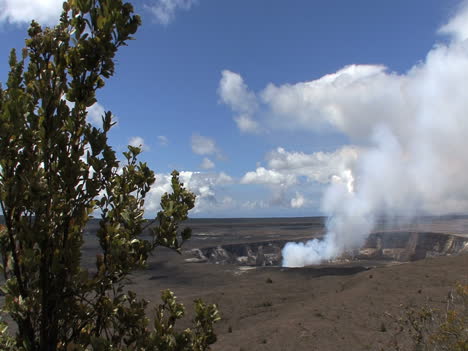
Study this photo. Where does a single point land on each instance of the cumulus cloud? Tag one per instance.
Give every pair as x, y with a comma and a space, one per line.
269, 177
164, 11
413, 128
288, 170
206, 186
411, 132
207, 163
235, 93
298, 201
457, 26
137, 141
285, 167
322, 167
353, 100
24, 11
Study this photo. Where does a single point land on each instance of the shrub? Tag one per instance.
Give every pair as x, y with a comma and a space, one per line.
56, 169
430, 329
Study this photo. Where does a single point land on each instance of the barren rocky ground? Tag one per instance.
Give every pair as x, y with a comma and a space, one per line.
344, 306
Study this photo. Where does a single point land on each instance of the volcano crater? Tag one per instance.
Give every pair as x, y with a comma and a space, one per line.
383, 247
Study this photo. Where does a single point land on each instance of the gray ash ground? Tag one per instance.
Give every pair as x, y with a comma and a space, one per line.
335, 306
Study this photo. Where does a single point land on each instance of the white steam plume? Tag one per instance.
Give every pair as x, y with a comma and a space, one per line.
414, 133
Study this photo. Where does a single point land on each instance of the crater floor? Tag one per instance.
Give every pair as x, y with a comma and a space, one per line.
336, 306
343, 305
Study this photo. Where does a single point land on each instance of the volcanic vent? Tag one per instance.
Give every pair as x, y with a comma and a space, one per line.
381, 246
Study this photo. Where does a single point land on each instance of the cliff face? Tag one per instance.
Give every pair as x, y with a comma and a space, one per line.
265, 253
404, 246
386, 246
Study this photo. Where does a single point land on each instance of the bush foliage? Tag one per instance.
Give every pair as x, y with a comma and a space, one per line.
429, 329
56, 170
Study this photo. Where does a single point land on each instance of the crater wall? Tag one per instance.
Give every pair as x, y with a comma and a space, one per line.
383, 246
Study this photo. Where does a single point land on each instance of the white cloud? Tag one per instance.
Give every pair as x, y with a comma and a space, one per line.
268, 177
223, 179
412, 126
235, 93
457, 26
353, 100
288, 171
286, 167
202, 145
255, 204
163, 140
298, 201
319, 166
247, 124
137, 141
24, 11
164, 10
413, 129
206, 187
207, 163
95, 114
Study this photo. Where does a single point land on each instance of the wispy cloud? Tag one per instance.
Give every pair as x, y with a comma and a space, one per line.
207, 163
164, 11
163, 140
202, 145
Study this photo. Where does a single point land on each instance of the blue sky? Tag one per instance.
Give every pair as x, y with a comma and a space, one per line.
213, 89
